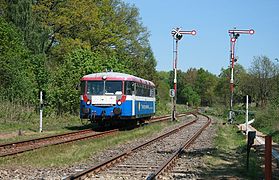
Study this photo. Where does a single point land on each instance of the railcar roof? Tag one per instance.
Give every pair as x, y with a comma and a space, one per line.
116, 76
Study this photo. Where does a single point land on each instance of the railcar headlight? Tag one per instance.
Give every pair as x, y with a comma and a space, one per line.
88, 102
119, 103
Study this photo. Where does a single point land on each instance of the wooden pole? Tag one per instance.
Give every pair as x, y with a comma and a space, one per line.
268, 158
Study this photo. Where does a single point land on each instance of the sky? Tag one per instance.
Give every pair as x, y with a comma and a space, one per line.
210, 48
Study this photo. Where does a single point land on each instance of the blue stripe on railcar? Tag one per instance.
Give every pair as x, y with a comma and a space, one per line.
144, 108
126, 108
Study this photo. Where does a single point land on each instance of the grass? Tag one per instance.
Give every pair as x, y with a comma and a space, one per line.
228, 158
266, 119
68, 154
30, 128
15, 118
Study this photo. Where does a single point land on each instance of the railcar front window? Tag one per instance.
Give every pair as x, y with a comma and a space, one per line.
103, 87
112, 87
95, 87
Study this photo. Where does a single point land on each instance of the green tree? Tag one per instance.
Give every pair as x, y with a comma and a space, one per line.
62, 93
204, 86
222, 88
53, 38
263, 79
222, 91
163, 86
16, 76
20, 13
191, 97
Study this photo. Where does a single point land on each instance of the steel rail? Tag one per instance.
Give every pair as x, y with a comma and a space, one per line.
97, 135
33, 140
168, 117
44, 138
93, 170
32, 144
167, 165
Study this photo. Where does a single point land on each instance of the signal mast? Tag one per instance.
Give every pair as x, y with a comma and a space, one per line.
234, 34
177, 35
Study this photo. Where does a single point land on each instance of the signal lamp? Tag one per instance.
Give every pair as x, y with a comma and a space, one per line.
236, 35
178, 36
251, 31
193, 32
119, 103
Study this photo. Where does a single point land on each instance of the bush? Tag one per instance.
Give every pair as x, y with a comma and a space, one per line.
266, 120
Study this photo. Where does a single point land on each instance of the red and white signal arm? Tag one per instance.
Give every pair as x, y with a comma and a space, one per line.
250, 31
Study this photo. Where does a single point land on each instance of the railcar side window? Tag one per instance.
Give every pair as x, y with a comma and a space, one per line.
152, 92
140, 89
128, 87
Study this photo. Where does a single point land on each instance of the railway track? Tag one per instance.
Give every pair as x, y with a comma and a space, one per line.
9, 149
151, 159
13, 148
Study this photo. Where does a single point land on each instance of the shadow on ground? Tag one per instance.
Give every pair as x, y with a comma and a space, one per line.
221, 165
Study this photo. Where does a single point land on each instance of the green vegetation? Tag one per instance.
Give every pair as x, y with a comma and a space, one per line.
267, 121
67, 154
42, 41
49, 45
228, 159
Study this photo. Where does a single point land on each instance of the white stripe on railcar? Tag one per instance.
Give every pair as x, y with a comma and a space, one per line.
140, 98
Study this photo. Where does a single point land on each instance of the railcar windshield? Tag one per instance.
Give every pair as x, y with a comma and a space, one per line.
103, 87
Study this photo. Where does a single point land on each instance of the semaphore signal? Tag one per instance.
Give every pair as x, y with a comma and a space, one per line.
234, 34
177, 35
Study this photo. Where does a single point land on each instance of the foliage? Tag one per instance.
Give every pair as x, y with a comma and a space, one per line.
192, 98
266, 120
195, 87
49, 45
53, 38
264, 81
62, 92
204, 86
19, 12
16, 76
163, 87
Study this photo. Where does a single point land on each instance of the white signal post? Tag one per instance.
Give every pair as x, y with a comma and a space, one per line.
41, 111
234, 34
177, 35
